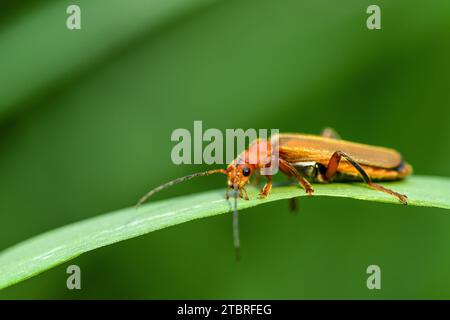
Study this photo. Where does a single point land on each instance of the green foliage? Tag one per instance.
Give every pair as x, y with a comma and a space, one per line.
55, 247
72, 54
86, 118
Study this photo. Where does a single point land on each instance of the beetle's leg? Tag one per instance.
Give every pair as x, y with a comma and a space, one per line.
330, 133
266, 189
257, 178
243, 193
289, 170
227, 193
293, 208
332, 167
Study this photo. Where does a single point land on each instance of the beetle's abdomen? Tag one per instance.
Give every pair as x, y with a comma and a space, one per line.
301, 148
346, 172
315, 172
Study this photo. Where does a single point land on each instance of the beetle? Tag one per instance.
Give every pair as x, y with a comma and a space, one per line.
307, 158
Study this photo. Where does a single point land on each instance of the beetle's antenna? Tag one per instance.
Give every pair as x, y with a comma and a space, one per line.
176, 181
236, 240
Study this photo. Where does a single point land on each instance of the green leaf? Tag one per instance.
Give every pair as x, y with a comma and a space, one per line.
106, 30
50, 249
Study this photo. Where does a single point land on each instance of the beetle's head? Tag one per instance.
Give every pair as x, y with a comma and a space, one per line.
239, 174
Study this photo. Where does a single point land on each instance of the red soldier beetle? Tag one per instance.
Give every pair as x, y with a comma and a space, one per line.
321, 159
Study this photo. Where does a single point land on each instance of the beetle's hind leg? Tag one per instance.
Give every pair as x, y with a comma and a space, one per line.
332, 167
330, 133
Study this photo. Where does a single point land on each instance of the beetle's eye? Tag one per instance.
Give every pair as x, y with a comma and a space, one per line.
246, 171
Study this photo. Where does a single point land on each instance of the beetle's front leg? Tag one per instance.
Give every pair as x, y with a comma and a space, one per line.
243, 193
227, 193
267, 187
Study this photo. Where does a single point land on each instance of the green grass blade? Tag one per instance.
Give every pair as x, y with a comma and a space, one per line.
59, 54
45, 251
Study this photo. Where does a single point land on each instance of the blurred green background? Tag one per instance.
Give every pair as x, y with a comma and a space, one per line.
86, 118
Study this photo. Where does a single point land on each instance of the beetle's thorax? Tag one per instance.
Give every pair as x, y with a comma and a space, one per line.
257, 156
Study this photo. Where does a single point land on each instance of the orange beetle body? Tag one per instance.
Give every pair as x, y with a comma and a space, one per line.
318, 158
307, 158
